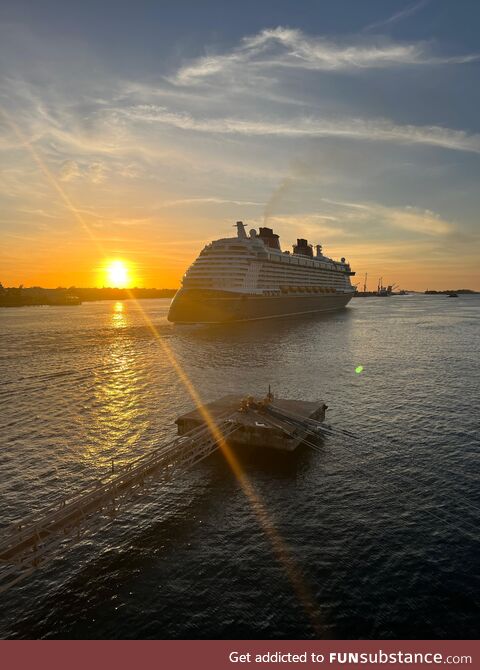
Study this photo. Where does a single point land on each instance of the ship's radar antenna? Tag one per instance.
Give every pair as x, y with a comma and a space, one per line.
241, 230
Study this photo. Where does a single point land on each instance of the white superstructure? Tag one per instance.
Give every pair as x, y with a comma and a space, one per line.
256, 265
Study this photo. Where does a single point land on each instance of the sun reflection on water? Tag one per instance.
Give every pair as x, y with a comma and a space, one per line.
119, 317
117, 419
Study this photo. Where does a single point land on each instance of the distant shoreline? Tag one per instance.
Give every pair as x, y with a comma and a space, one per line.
376, 294
37, 296
460, 291
56, 297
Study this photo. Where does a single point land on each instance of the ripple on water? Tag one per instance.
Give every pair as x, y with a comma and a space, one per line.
381, 531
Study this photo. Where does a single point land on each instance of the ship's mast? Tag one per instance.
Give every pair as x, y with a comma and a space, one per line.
241, 230
365, 283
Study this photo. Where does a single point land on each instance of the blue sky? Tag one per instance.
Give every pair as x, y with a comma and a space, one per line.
354, 124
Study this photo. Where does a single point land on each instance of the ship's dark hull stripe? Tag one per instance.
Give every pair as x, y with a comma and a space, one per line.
190, 306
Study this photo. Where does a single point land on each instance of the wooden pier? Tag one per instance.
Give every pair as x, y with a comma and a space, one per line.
275, 423
255, 427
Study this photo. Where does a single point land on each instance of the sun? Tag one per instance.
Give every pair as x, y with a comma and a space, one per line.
117, 274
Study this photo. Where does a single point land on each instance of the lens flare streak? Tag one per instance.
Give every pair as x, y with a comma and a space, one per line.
279, 547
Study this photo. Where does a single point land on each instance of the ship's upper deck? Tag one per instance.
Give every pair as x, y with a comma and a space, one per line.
254, 260
265, 246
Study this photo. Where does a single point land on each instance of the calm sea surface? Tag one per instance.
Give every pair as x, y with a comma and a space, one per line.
381, 532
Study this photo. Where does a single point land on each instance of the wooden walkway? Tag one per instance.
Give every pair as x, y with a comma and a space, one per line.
33, 541
279, 424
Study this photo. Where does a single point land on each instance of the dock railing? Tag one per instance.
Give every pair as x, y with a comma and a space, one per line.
31, 542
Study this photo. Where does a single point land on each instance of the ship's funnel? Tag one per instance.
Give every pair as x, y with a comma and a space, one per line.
269, 238
303, 248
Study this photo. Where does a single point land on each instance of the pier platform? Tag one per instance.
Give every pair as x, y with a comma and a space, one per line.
254, 426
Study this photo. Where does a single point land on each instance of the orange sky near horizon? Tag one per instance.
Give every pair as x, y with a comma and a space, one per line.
161, 262
65, 221
74, 231
157, 251
151, 187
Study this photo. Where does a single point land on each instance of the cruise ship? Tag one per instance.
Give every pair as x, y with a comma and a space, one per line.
249, 277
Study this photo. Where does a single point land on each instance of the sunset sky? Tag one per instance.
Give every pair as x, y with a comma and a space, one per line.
141, 130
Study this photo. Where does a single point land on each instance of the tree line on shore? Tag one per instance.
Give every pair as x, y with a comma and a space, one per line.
447, 291
36, 295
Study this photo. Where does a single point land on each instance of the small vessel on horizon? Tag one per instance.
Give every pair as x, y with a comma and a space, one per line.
249, 277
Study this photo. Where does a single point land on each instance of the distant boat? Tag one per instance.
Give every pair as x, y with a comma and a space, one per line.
453, 295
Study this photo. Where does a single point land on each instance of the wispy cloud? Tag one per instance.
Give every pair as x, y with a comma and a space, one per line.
410, 218
418, 220
398, 16
70, 170
211, 200
316, 227
286, 47
361, 129
159, 157
336, 221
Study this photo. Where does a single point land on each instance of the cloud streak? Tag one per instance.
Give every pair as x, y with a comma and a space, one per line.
209, 200
410, 218
349, 219
286, 47
309, 127
398, 16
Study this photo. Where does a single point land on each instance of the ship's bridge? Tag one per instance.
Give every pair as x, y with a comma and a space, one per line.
223, 263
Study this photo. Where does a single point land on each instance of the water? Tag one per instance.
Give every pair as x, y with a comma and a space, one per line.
380, 533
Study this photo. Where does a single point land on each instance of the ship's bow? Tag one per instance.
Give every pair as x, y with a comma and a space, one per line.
202, 306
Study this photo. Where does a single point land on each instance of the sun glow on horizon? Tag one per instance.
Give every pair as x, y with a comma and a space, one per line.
118, 274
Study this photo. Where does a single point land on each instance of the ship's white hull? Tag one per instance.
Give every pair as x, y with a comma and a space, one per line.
215, 306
